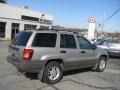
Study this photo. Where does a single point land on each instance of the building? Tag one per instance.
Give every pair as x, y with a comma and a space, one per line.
13, 20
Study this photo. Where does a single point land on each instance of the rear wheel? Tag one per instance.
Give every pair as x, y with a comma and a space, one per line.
52, 73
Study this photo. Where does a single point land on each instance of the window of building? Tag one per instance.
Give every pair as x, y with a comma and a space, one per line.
29, 27
44, 27
44, 40
3, 1
29, 18
15, 29
84, 43
2, 29
67, 41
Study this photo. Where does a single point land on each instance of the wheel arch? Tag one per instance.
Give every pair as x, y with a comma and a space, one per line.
40, 74
104, 56
60, 61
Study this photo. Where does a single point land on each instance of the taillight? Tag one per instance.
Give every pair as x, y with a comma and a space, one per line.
27, 54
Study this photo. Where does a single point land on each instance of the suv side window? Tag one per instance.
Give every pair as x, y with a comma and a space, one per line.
84, 43
44, 40
67, 41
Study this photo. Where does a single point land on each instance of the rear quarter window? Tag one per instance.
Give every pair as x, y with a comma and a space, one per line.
21, 38
44, 40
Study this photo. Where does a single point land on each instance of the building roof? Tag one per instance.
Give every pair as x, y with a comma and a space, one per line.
8, 11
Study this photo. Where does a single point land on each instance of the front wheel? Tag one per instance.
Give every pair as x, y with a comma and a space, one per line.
52, 73
101, 64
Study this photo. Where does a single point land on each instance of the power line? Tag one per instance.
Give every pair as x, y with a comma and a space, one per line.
111, 15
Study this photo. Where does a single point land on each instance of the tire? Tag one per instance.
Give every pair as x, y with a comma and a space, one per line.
52, 73
101, 64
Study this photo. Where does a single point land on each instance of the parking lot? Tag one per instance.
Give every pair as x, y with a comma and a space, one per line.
85, 79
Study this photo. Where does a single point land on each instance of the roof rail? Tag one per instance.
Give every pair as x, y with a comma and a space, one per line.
70, 30
43, 29
67, 30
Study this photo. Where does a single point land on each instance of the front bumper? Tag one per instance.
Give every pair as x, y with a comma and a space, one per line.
26, 66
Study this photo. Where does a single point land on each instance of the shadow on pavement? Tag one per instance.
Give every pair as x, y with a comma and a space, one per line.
34, 76
72, 72
115, 57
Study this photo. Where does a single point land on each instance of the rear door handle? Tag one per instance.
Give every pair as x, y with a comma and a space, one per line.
62, 51
83, 52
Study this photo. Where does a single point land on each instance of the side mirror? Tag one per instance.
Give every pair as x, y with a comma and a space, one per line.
94, 46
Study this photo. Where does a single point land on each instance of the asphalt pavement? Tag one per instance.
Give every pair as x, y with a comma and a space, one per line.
84, 79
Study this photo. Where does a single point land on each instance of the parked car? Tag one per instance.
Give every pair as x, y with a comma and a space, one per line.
112, 46
98, 41
50, 52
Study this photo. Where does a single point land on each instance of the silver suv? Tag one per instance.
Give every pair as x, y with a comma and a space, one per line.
50, 52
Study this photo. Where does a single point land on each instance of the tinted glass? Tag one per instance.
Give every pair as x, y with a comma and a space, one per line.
99, 41
44, 40
22, 38
113, 42
67, 41
104, 43
84, 43
109, 42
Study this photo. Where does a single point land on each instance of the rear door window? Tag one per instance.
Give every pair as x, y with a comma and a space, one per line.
21, 39
44, 40
67, 41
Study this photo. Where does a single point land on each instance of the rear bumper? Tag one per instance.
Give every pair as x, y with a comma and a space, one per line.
26, 66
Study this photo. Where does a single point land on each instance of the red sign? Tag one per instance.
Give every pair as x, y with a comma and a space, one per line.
92, 19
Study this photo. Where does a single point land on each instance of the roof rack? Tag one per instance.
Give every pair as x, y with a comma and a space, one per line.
68, 30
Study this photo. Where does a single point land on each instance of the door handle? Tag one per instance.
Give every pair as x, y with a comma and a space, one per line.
62, 51
83, 52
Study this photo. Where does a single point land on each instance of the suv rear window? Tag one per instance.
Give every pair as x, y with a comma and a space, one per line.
44, 40
22, 38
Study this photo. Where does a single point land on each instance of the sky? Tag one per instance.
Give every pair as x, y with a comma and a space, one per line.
75, 13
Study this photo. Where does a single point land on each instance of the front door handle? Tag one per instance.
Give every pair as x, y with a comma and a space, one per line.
62, 51
83, 52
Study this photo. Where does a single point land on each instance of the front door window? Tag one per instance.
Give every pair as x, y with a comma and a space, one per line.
84, 43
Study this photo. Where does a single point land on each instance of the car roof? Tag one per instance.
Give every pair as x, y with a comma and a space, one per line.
52, 31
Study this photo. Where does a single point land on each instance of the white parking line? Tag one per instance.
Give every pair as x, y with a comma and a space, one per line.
112, 71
